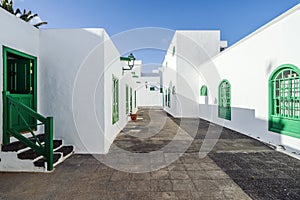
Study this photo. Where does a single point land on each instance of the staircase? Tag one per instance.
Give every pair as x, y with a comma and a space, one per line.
17, 157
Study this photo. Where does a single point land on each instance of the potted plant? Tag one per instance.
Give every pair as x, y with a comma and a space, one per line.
133, 116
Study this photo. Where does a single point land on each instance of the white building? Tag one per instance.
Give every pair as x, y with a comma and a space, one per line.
252, 87
76, 76
180, 72
65, 73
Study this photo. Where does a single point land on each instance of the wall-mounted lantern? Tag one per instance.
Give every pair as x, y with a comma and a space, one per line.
173, 90
130, 59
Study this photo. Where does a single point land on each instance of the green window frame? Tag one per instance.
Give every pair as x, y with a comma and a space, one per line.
152, 88
203, 90
169, 97
284, 101
127, 99
224, 107
115, 100
173, 51
166, 97
130, 100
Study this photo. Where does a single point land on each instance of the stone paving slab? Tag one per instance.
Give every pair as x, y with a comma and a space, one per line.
237, 167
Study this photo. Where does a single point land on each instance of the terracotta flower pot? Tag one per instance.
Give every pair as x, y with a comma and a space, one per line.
133, 117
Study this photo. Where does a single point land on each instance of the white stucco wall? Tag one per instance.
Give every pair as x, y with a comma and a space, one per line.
192, 48
18, 35
72, 61
146, 97
113, 67
248, 66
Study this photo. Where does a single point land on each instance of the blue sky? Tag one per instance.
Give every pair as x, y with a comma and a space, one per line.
235, 18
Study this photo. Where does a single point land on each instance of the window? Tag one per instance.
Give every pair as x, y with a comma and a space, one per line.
203, 91
284, 98
224, 108
152, 88
130, 100
127, 99
174, 51
115, 101
169, 98
166, 98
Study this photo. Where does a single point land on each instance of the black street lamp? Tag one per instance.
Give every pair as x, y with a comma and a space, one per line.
130, 59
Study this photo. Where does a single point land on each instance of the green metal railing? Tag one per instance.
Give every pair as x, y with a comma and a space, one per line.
11, 105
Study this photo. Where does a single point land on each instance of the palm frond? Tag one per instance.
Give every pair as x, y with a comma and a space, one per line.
40, 24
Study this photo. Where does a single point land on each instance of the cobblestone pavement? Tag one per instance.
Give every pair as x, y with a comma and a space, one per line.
237, 167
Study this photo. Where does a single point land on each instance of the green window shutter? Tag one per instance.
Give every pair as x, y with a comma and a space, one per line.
115, 101
169, 98
127, 99
130, 103
203, 91
284, 98
224, 108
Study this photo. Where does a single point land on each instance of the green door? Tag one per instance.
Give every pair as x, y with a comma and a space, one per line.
224, 108
20, 81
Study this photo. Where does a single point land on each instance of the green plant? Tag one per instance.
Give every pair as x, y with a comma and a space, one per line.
25, 16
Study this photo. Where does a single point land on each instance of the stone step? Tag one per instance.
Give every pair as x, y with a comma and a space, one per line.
65, 150
31, 154
41, 162
17, 146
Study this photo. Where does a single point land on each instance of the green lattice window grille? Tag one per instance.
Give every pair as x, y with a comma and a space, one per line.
127, 99
115, 100
224, 108
130, 100
203, 91
284, 98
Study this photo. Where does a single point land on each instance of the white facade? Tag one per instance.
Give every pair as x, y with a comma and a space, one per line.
149, 91
187, 51
248, 66
20, 35
75, 71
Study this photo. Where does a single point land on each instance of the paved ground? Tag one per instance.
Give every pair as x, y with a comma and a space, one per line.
237, 167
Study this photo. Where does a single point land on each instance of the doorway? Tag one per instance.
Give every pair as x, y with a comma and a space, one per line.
20, 80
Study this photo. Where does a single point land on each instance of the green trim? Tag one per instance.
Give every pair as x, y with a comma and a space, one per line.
47, 149
115, 100
284, 101
152, 88
174, 51
6, 50
203, 90
224, 106
127, 99
125, 59
130, 100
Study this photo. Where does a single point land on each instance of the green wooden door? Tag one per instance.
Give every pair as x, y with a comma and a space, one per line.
224, 108
20, 80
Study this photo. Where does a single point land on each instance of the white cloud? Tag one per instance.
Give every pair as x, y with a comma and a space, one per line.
35, 20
